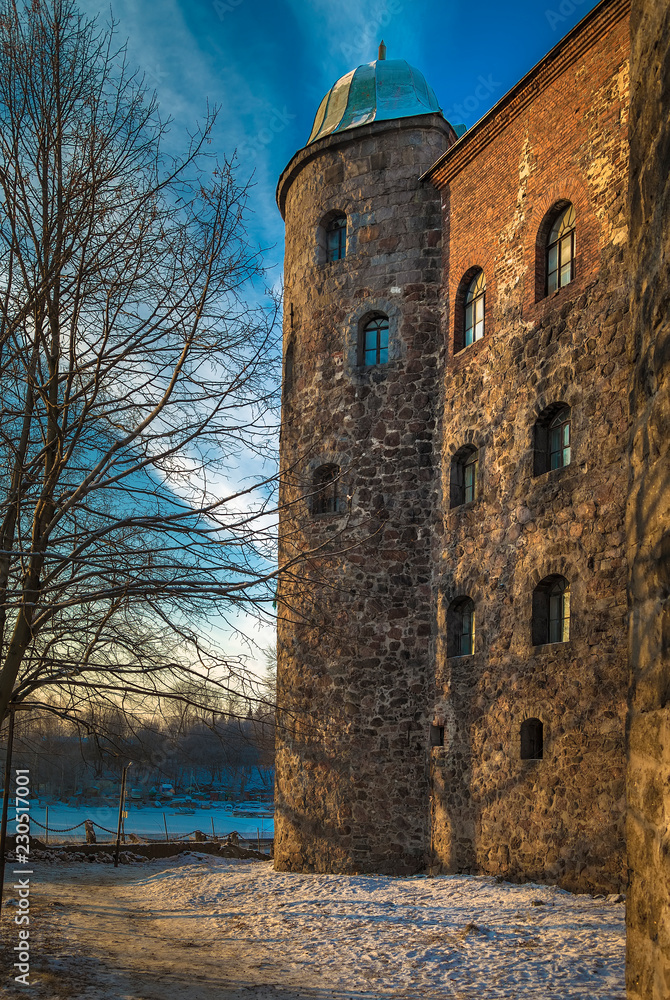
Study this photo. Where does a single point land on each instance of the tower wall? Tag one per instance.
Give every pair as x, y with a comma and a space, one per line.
356, 615
648, 517
561, 135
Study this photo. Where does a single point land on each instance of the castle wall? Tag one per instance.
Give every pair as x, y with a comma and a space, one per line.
563, 136
356, 614
648, 517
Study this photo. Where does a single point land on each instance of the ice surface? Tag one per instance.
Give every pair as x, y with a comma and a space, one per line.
145, 822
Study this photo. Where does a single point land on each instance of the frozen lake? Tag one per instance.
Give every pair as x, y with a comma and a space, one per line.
145, 821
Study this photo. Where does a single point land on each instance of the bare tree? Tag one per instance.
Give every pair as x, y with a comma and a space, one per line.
132, 375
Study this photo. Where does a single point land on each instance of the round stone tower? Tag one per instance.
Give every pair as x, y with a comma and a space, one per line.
361, 348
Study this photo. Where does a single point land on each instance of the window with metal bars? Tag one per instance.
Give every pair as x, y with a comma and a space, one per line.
561, 250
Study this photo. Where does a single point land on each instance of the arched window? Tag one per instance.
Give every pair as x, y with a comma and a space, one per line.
551, 611
475, 300
325, 498
531, 739
464, 476
373, 344
461, 627
553, 439
561, 250
336, 237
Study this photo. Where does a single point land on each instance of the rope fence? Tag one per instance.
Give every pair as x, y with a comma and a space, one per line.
152, 840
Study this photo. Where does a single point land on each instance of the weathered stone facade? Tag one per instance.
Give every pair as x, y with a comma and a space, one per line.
366, 677
560, 818
355, 665
648, 519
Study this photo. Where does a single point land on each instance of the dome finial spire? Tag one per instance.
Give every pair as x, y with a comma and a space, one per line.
382, 50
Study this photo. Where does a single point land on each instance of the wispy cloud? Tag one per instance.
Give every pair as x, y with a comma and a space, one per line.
347, 34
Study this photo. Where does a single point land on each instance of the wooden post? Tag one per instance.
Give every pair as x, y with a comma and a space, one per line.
213, 834
46, 826
118, 828
258, 835
5, 801
165, 825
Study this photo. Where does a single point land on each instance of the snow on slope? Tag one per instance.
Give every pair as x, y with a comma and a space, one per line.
451, 936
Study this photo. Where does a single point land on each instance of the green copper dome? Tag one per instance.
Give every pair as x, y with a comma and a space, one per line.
378, 91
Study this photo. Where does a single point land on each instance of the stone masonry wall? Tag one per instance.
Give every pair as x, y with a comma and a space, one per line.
355, 671
648, 517
559, 819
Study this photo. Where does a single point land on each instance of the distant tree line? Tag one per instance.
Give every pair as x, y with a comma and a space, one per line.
189, 748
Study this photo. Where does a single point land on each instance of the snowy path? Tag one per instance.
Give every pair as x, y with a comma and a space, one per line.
204, 928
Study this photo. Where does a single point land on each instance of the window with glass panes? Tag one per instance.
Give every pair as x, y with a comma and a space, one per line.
475, 300
466, 617
559, 612
551, 611
561, 251
376, 341
470, 476
336, 238
559, 440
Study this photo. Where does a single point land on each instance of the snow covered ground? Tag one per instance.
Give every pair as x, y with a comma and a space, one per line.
205, 928
454, 935
145, 822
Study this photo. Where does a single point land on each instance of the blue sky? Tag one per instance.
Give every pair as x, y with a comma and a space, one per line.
268, 63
